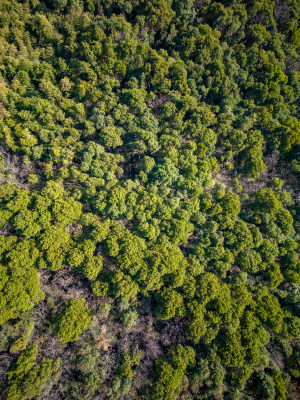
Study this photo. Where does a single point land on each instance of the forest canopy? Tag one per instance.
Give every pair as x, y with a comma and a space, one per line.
149, 202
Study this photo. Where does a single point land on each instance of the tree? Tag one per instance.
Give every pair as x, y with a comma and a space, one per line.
170, 303
280, 388
266, 201
26, 379
73, 320
169, 375
268, 309
265, 386
231, 207
20, 291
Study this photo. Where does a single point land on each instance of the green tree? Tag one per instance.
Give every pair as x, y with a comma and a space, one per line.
169, 375
73, 320
27, 379
20, 291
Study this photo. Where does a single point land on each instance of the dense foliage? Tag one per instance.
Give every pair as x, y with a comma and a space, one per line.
149, 157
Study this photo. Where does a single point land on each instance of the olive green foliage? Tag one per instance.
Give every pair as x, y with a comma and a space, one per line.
73, 320
170, 374
280, 389
21, 342
15, 336
149, 153
27, 379
129, 362
88, 363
